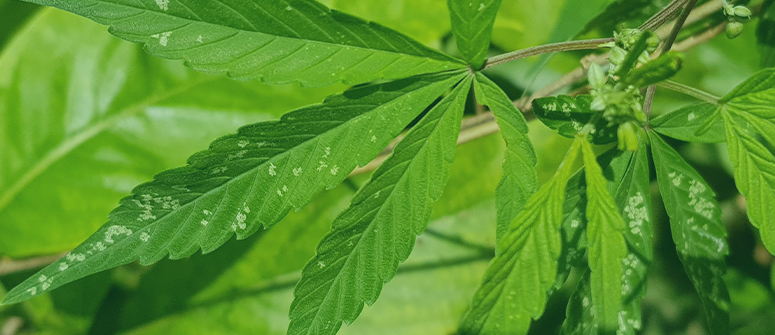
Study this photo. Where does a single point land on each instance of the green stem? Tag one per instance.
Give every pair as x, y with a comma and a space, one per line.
544, 49
664, 15
690, 91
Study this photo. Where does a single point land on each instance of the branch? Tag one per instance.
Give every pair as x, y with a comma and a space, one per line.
690, 91
544, 49
8, 266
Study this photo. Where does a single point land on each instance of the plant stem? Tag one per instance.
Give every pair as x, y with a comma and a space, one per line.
690, 91
668, 44
663, 16
544, 49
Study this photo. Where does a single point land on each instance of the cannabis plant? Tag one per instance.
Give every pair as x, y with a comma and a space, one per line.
586, 228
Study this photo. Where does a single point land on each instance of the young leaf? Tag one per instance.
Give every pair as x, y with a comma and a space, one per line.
519, 180
698, 233
628, 176
568, 115
472, 23
369, 239
276, 41
606, 245
514, 287
246, 180
685, 124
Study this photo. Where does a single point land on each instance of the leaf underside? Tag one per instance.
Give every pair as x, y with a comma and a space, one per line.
246, 180
515, 284
697, 229
377, 232
273, 40
519, 180
472, 23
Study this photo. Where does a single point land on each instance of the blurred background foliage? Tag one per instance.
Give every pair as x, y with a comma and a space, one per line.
84, 117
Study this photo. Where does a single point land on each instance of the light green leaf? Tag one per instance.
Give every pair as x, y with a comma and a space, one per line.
276, 41
754, 101
377, 232
519, 180
606, 245
472, 23
514, 287
77, 134
246, 180
568, 115
698, 233
685, 123
628, 180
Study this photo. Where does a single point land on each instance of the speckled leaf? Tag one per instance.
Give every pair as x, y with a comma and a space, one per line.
515, 285
377, 232
606, 246
568, 115
698, 233
246, 180
691, 124
274, 40
472, 23
519, 180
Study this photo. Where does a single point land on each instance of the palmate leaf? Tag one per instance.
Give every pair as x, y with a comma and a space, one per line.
377, 232
519, 180
750, 109
514, 287
472, 23
246, 180
274, 40
606, 246
568, 115
628, 181
696, 123
698, 233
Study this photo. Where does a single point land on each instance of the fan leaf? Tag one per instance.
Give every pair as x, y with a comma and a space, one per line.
472, 23
378, 230
519, 180
246, 180
568, 115
273, 40
514, 287
690, 124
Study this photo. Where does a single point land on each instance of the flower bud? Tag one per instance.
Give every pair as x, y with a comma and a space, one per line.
598, 104
734, 29
627, 134
617, 55
596, 76
742, 12
653, 43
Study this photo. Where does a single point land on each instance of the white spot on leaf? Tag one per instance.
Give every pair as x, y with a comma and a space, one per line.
145, 237
163, 4
116, 230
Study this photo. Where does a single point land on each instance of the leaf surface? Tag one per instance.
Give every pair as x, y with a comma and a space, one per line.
519, 180
275, 41
688, 123
514, 287
472, 23
377, 232
698, 233
568, 115
606, 245
79, 133
246, 180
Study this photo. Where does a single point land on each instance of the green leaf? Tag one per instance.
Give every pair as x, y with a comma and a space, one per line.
276, 41
519, 180
14, 14
655, 70
754, 101
377, 232
568, 115
686, 124
754, 168
698, 233
514, 287
246, 180
765, 34
472, 23
628, 181
79, 133
606, 245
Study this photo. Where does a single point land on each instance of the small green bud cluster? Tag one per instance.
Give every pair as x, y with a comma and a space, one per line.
736, 16
620, 104
624, 42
